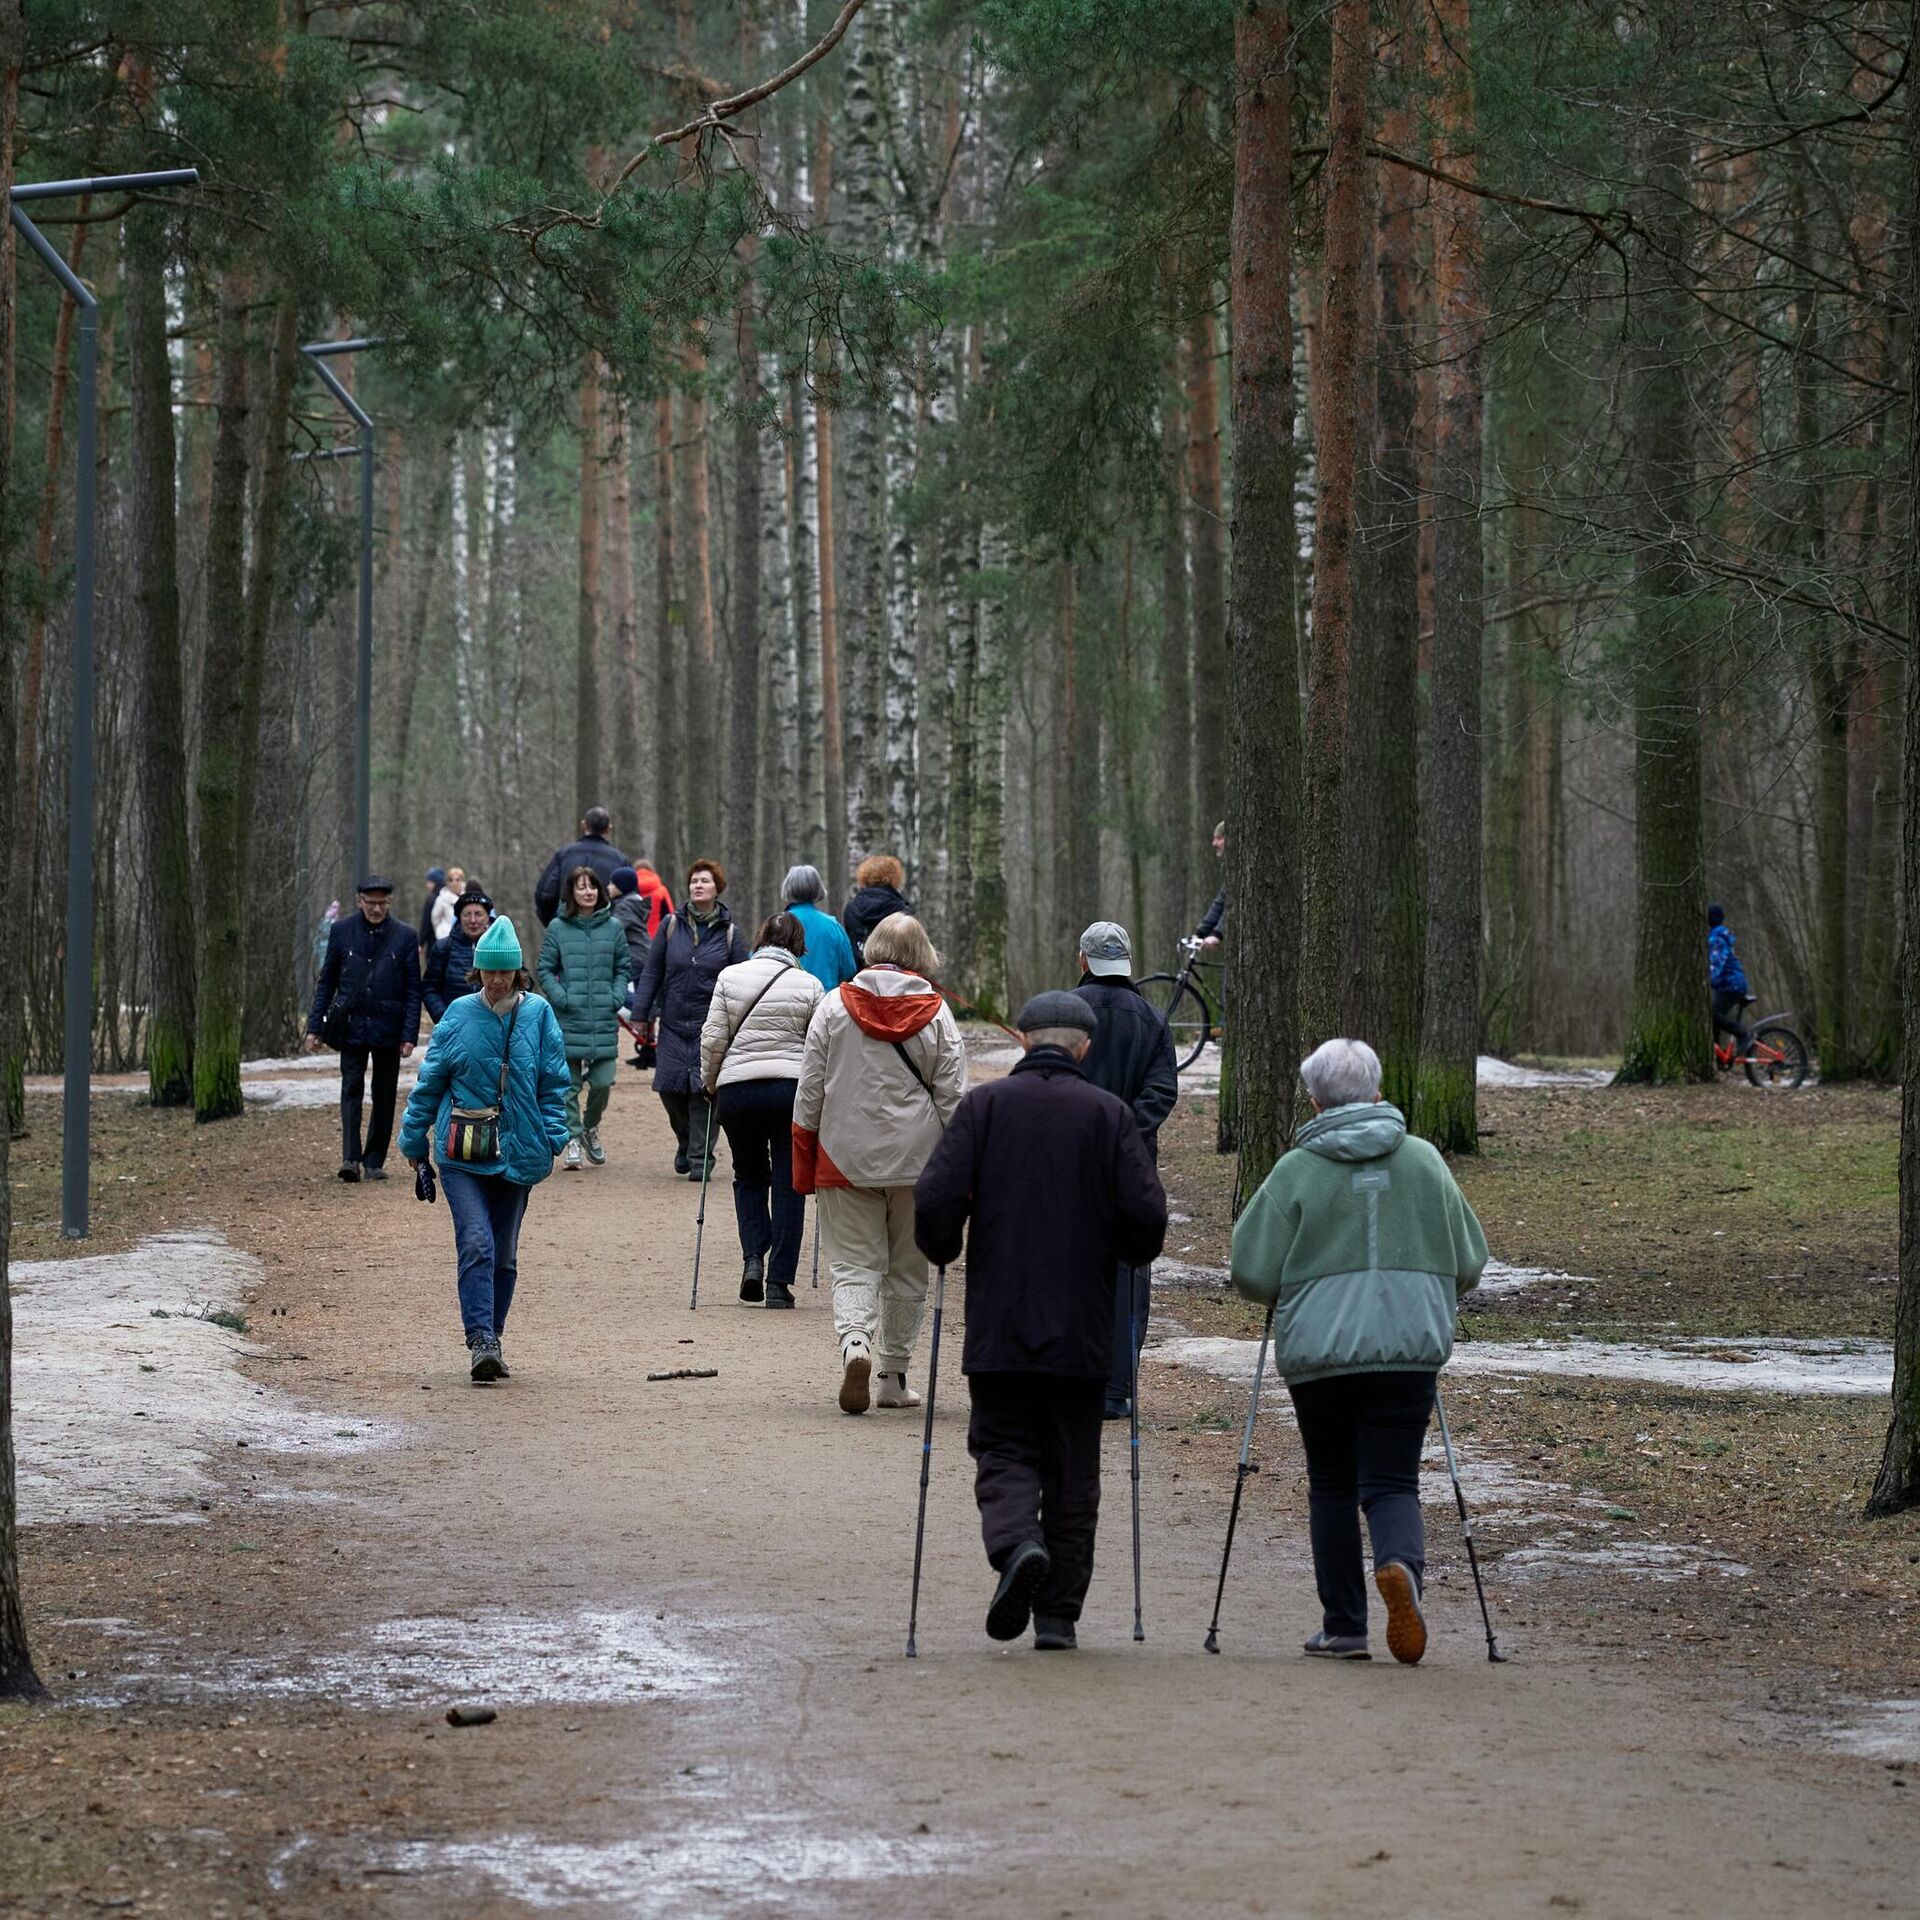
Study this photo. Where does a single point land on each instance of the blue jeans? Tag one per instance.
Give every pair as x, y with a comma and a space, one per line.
1362, 1433
487, 1209
758, 1118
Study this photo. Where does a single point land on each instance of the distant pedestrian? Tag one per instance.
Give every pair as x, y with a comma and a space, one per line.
829, 955
584, 971
1727, 979
1363, 1244
366, 1005
878, 879
1053, 1183
451, 961
653, 890
321, 931
446, 909
750, 1051
436, 885
593, 849
632, 912
1132, 1058
685, 960
494, 1137
1213, 923
882, 1073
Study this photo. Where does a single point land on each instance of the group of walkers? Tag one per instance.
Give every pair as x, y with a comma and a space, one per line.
826, 1054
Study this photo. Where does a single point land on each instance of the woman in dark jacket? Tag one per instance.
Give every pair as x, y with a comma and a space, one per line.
880, 877
451, 960
583, 973
675, 990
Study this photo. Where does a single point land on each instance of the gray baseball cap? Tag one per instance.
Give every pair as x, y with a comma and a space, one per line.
1108, 951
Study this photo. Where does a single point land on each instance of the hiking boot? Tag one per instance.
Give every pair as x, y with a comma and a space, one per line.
1051, 1634
751, 1276
893, 1391
779, 1294
500, 1360
573, 1157
1406, 1624
484, 1364
350, 1172
1337, 1646
853, 1382
680, 1162
1012, 1603
368, 1171
595, 1151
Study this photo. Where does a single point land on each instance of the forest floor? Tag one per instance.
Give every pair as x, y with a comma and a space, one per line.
686, 1599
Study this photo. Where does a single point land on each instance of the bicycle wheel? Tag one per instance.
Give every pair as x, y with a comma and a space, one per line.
1777, 1059
1184, 1008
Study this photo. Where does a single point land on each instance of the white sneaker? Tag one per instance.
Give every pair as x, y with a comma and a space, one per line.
572, 1157
892, 1391
854, 1397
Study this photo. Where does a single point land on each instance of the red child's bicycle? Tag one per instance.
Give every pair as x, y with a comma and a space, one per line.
1776, 1057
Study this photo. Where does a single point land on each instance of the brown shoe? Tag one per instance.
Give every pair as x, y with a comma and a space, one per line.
854, 1397
1406, 1624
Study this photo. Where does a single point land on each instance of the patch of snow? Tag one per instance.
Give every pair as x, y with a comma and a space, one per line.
293, 1063
1661, 1560
1501, 1278
312, 1091
1177, 1273
1493, 1072
1879, 1730
124, 1393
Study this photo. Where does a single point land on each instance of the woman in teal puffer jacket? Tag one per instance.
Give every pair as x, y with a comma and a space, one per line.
488, 1199
584, 970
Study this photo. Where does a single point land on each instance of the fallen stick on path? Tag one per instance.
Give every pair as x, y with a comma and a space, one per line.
687, 1373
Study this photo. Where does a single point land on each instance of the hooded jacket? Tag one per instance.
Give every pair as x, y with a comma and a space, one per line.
584, 972
462, 1069
868, 907
756, 1025
448, 965
860, 1118
829, 955
676, 988
1725, 974
593, 850
1363, 1243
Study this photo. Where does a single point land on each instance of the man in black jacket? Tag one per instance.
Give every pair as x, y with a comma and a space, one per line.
1132, 1058
367, 1004
593, 849
1049, 1179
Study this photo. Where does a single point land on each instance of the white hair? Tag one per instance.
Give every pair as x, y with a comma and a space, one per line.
1073, 1040
1341, 1073
803, 887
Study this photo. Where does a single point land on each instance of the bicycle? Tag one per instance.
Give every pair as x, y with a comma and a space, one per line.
1776, 1058
1182, 1002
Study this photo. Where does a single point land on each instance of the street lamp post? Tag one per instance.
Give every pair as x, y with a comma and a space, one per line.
76, 1121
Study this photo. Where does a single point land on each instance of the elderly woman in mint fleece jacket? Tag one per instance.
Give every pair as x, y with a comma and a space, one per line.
1362, 1244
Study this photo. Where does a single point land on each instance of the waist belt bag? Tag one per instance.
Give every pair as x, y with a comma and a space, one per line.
473, 1133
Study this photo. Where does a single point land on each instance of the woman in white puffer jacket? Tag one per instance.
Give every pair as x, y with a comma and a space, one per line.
750, 1052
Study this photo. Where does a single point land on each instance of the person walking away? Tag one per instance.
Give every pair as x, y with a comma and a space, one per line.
829, 953
446, 910
1728, 979
750, 1051
1051, 1179
881, 1075
451, 961
654, 891
1131, 1058
366, 1005
671, 1001
584, 971
593, 849
632, 913
1362, 1244
488, 1167
436, 885
1213, 923
879, 879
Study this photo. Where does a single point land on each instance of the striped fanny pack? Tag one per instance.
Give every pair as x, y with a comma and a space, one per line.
473, 1133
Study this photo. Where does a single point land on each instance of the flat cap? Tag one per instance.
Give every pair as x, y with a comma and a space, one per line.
375, 883
1055, 1009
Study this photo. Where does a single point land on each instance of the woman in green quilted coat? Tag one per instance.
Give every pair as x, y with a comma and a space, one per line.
584, 970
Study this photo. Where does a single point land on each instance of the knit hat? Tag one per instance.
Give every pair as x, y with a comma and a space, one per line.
1056, 1010
1108, 951
437, 876
473, 897
498, 949
1716, 915
624, 879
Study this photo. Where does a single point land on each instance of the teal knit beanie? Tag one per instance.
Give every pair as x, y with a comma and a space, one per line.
498, 950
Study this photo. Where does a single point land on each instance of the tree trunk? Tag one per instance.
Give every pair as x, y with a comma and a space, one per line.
1446, 1107
1077, 887
412, 626
220, 869
586, 702
168, 857
1208, 519
833, 758
1179, 846
623, 783
1338, 411
704, 773
739, 782
668, 742
1263, 788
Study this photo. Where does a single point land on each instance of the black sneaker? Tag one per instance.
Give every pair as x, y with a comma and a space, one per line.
350, 1172
750, 1278
680, 1162
779, 1294
1012, 1603
483, 1351
1051, 1634
371, 1172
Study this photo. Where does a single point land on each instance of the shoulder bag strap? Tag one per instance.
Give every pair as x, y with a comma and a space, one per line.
900, 1047
740, 1025
506, 1055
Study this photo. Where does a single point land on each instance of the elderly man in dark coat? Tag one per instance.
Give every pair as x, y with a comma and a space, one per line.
1054, 1188
593, 849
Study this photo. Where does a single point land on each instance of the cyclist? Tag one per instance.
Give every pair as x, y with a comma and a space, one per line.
1728, 979
1215, 918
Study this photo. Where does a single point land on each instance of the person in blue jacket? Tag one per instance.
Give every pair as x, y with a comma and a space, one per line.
506, 1020
1728, 979
829, 955
451, 960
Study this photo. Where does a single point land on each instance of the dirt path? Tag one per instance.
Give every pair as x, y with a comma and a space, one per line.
687, 1600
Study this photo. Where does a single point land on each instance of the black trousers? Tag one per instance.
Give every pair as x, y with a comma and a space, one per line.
1727, 1009
1035, 1441
1132, 1287
691, 1115
353, 1081
757, 1118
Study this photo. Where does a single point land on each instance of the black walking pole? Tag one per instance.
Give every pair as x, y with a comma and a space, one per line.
1240, 1480
926, 1460
700, 1219
816, 1242
1133, 1403
1494, 1655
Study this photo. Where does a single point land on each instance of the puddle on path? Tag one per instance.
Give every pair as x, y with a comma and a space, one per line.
1877, 1729
124, 1394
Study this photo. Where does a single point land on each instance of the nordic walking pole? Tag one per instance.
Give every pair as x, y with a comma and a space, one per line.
816, 1243
1212, 1642
700, 1219
1139, 1630
926, 1460
1494, 1655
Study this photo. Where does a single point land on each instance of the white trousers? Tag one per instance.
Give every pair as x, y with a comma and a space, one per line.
879, 1275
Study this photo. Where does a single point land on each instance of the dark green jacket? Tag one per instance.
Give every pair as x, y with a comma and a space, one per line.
1363, 1243
584, 971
